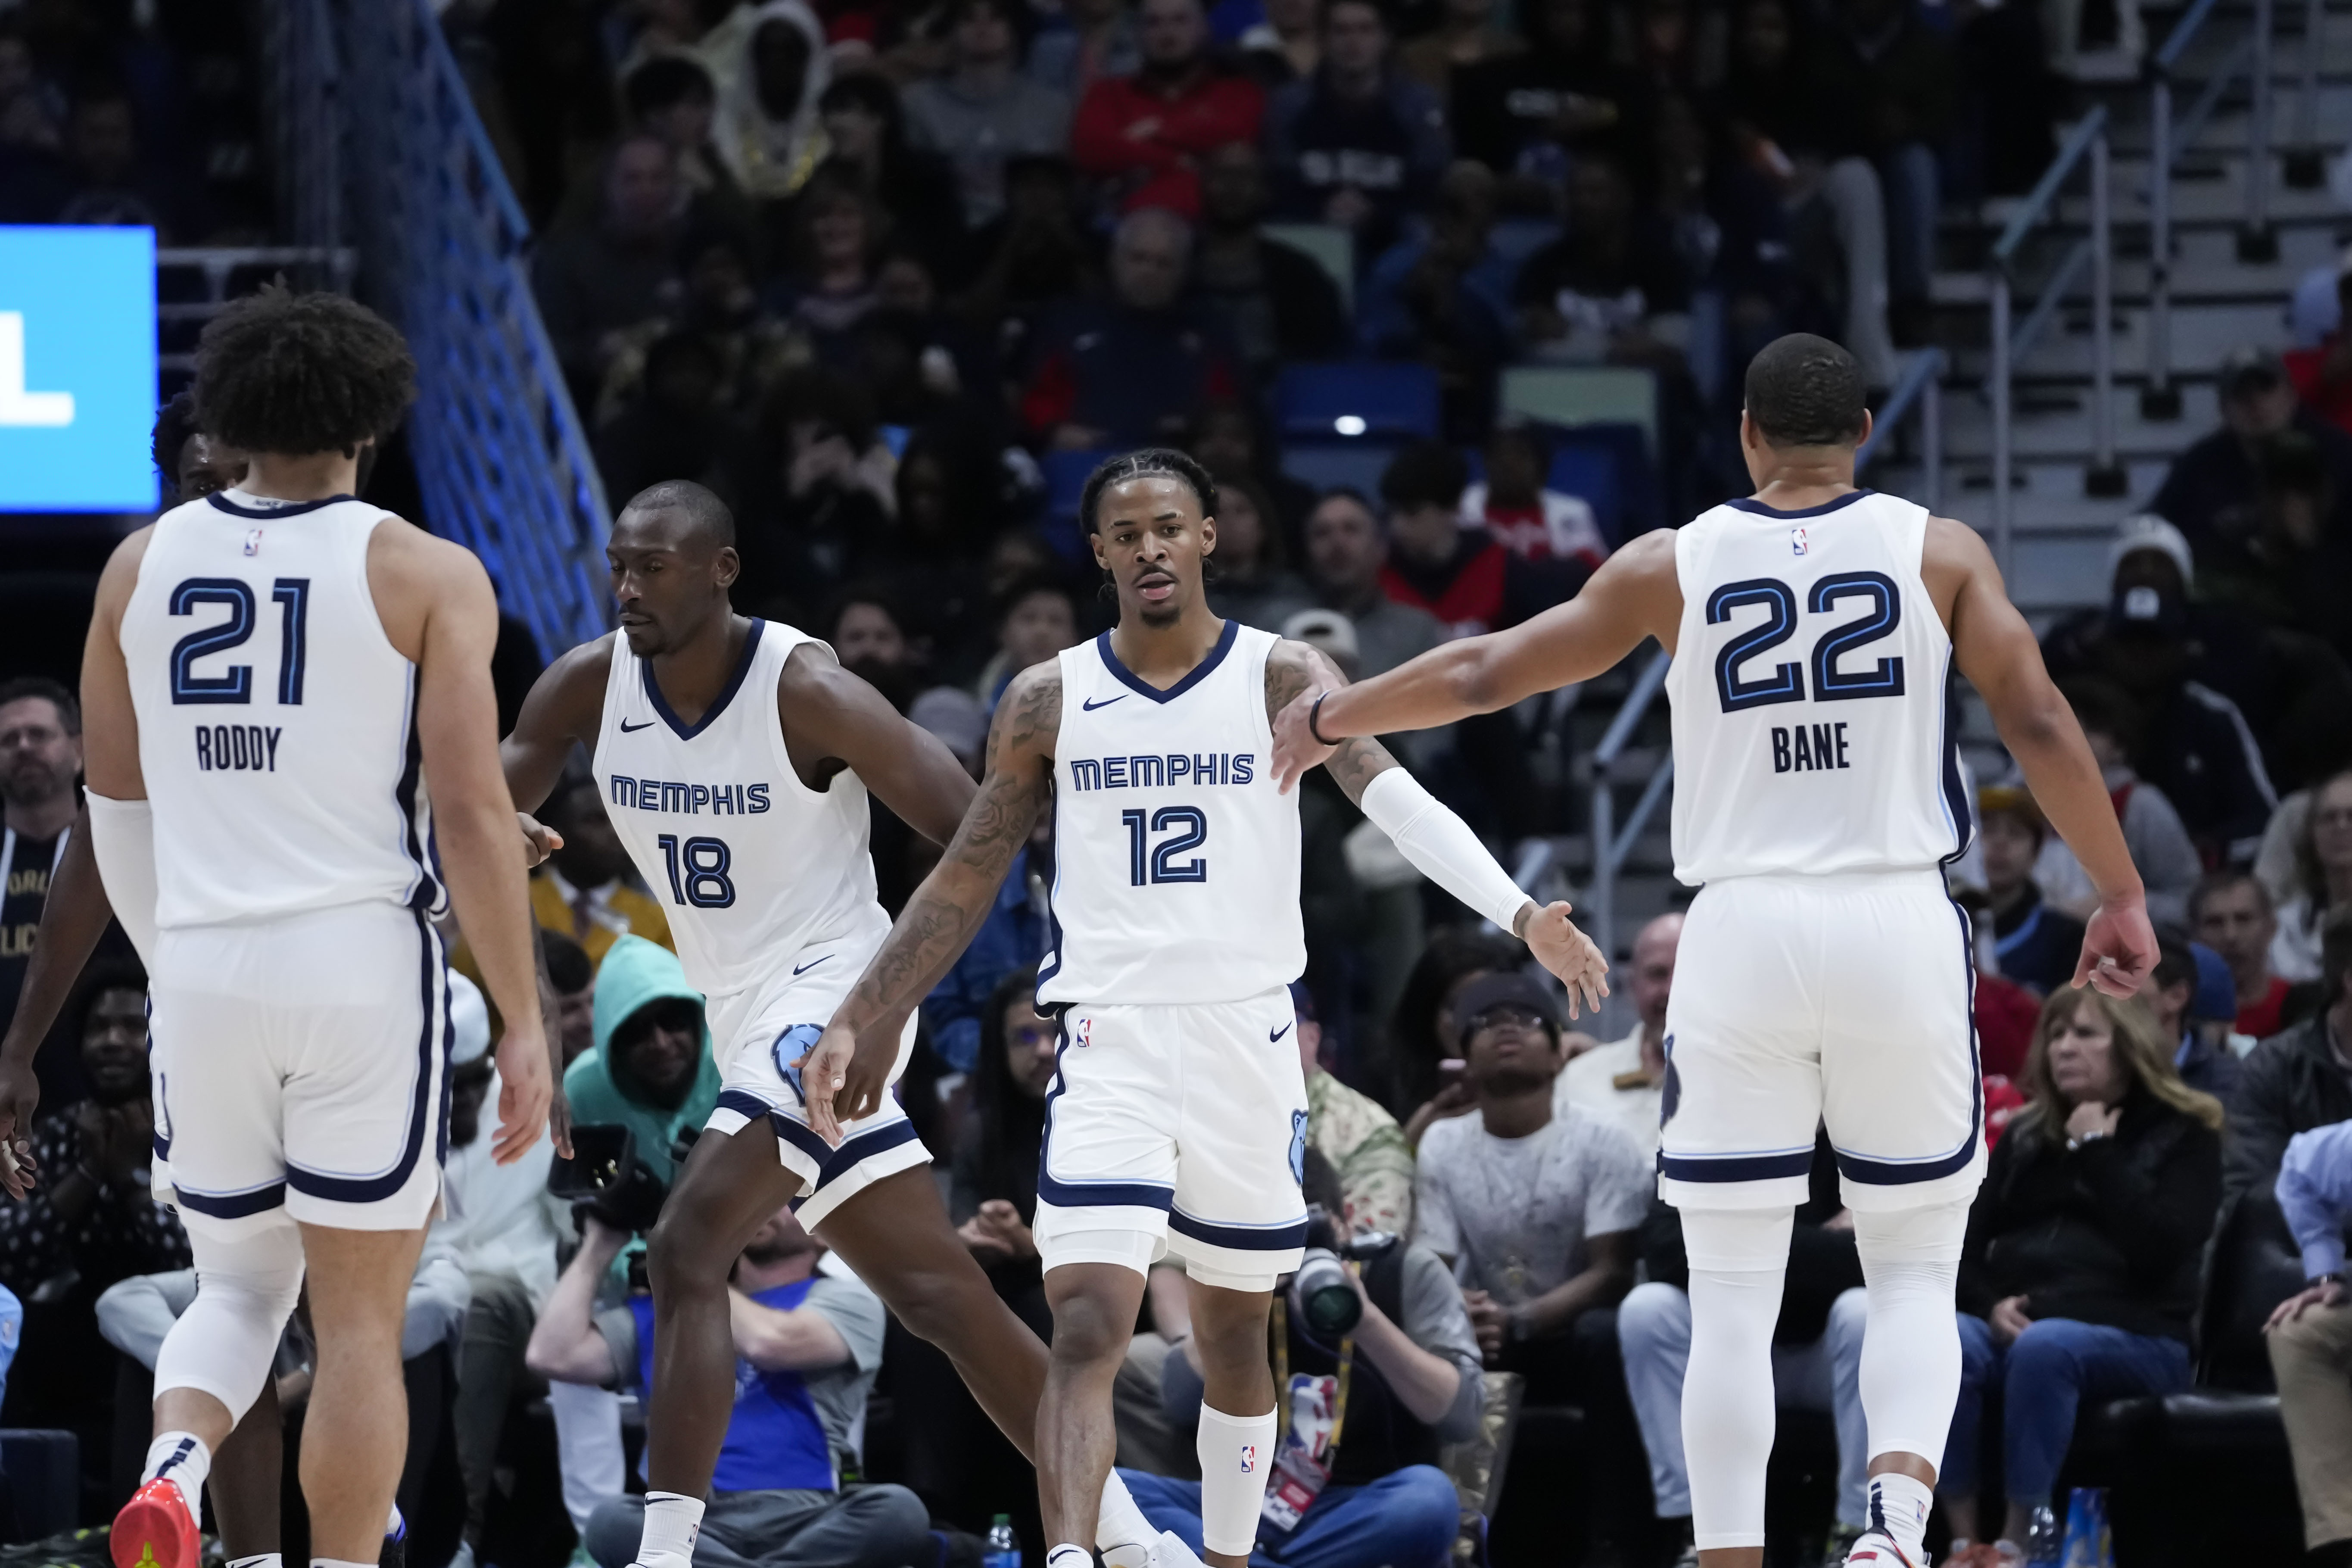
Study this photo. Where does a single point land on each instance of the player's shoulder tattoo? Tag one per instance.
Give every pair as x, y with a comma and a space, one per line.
1292, 668
1029, 714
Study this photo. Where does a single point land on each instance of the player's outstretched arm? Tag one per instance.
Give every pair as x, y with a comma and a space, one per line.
845, 1075
909, 769
562, 710
438, 609
1437, 842
1995, 650
1635, 594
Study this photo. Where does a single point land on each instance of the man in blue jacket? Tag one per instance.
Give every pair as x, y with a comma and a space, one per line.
2310, 1338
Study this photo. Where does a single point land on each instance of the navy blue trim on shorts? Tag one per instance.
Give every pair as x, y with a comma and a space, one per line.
290, 509
1750, 504
1280, 1237
1899, 1174
433, 989
1200, 672
685, 730
1089, 1194
233, 1206
743, 1103
833, 1163
1733, 1167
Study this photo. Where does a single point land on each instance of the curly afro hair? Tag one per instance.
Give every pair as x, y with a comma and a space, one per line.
295, 374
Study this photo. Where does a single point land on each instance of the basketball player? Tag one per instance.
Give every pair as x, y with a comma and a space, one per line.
277, 680
1178, 1117
735, 757
1817, 794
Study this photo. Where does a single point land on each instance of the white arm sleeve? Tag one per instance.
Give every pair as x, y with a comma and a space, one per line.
122, 838
1442, 845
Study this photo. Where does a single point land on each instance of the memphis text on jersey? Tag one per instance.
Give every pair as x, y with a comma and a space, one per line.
689, 799
1153, 772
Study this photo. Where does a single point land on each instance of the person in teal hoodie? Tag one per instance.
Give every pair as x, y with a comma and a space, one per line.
651, 1070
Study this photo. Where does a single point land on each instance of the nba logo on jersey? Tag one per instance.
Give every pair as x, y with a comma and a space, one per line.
253, 541
1797, 544
1084, 1035
1249, 1458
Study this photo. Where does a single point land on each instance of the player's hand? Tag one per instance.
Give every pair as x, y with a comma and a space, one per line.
2118, 947
2326, 1293
525, 1089
1568, 952
843, 1080
538, 840
1296, 749
20, 1093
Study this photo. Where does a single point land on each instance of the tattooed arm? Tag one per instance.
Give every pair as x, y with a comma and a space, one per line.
845, 1076
1436, 841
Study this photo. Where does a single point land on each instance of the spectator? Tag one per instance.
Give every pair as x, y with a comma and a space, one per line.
1038, 620
1356, 1136
868, 128
1519, 510
2294, 568
2213, 489
2323, 376
1347, 557
1367, 1412
604, 280
1272, 302
1900, 73
1443, 297
1037, 258
2034, 944
1536, 1212
673, 425
2295, 1080
1465, 36
836, 249
1145, 134
671, 98
2310, 1337
1286, 46
1590, 295
2195, 1003
1096, 40
1816, 1348
807, 1343
2323, 863
574, 980
585, 889
1232, 443
1622, 1082
2161, 848
1359, 144
92, 1220
828, 496
1134, 368
1470, 584
862, 627
2080, 1272
963, 1007
983, 109
773, 75
110, 186
2230, 913
40, 759
1252, 584
1530, 115
725, 309
651, 1069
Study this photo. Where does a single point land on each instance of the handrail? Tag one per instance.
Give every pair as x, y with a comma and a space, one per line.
2045, 190
1611, 845
1920, 383
2175, 43
2159, 398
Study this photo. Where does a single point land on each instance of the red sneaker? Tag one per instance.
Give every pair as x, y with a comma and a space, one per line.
155, 1528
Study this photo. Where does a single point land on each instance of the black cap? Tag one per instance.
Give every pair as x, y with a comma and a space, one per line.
1509, 988
2251, 369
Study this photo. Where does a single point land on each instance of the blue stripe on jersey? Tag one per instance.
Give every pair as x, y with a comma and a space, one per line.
1749, 503
1278, 1238
1053, 961
433, 995
291, 509
1201, 671
424, 892
684, 731
1955, 788
1902, 1172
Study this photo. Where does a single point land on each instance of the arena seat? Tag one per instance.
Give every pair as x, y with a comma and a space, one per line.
1367, 400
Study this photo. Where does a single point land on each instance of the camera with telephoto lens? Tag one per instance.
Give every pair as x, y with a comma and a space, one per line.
1322, 1297
607, 1178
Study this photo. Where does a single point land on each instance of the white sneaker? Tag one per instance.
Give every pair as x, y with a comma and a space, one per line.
1876, 1549
1170, 1551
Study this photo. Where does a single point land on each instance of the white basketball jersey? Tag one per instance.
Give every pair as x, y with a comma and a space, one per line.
753, 865
1175, 859
1810, 728
276, 722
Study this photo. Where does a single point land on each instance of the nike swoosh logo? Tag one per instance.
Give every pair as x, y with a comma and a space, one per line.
812, 963
1090, 707
629, 729
1277, 1034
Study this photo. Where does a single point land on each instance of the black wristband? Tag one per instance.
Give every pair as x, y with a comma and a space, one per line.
1313, 709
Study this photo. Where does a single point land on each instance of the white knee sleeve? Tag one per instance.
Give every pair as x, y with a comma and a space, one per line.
1911, 1346
225, 1343
1737, 1259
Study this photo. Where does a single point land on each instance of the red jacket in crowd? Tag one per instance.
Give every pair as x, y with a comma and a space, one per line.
1151, 136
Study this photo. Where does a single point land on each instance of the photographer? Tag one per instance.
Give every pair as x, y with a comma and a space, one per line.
807, 1344
1354, 1483
650, 1070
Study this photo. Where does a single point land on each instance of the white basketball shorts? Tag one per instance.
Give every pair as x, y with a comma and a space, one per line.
300, 1069
759, 1031
1177, 1130
1799, 1000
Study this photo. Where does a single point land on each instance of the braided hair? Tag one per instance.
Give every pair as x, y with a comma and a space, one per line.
1149, 462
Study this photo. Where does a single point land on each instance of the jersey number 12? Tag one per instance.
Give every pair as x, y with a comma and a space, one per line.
1157, 863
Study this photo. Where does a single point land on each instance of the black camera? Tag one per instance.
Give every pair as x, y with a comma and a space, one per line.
1322, 1297
605, 1177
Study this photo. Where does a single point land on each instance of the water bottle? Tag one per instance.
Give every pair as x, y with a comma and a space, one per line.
2045, 1539
1005, 1547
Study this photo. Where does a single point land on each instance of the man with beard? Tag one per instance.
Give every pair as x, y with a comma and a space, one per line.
40, 757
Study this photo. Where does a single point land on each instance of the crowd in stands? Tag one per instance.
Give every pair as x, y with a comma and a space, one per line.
883, 273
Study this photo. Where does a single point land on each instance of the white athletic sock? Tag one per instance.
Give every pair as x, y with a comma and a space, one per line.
672, 1522
1899, 1506
1122, 1534
1236, 1452
1068, 1556
180, 1458
258, 1560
